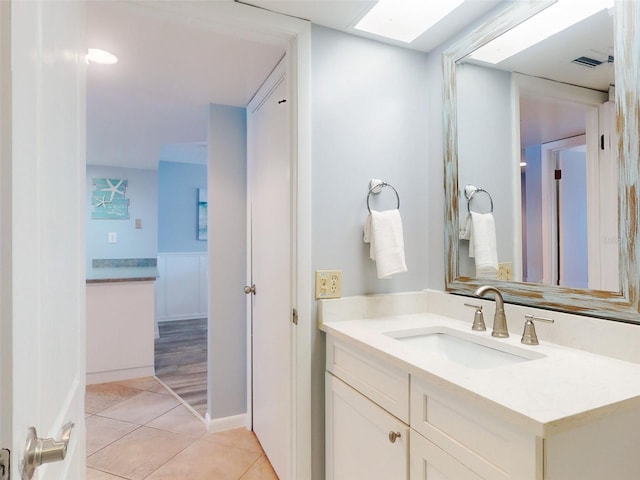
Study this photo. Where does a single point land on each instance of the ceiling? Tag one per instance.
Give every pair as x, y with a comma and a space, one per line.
153, 104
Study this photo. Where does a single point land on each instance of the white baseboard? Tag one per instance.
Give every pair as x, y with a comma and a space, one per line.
117, 375
226, 423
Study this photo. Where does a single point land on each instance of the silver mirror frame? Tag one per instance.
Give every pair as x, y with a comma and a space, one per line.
621, 306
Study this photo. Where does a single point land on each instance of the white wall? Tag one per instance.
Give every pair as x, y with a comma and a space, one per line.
182, 288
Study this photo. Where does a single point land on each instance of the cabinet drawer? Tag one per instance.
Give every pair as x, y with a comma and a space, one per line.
428, 462
476, 437
386, 386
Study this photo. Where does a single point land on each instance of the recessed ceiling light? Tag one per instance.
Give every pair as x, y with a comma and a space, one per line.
554, 19
96, 55
405, 20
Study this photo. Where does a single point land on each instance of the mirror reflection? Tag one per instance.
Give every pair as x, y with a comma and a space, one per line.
537, 133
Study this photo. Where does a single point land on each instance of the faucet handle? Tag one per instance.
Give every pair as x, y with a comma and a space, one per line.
478, 318
529, 336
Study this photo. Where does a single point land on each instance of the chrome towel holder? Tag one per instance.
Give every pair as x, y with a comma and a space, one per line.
376, 186
470, 191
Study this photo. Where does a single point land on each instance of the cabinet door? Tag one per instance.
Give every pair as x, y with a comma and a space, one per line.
358, 441
429, 462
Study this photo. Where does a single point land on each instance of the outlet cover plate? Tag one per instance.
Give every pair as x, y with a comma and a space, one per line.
328, 284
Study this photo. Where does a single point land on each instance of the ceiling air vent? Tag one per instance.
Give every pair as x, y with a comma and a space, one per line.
587, 62
593, 58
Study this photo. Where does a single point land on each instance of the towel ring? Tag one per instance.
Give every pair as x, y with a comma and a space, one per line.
470, 197
377, 188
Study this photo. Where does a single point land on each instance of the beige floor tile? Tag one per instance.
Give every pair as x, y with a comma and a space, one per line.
238, 437
139, 453
180, 420
98, 475
142, 408
150, 384
104, 395
261, 470
103, 431
204, 460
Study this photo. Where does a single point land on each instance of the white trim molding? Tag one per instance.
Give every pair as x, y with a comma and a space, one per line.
182, 286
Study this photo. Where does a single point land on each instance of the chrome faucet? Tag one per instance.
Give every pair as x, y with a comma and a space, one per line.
499, 318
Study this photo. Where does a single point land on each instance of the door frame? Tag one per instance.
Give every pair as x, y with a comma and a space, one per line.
294, 35
524, 84
550, 159
5, 264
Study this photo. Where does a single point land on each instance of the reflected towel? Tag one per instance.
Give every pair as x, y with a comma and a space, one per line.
482, 245
383, 230
465, 229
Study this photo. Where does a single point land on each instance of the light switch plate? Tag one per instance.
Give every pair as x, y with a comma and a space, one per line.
328, 284
113, 237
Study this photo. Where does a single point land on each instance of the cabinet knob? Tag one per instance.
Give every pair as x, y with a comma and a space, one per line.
393, 436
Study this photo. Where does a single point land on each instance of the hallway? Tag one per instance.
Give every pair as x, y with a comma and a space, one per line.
181, 360
137, 429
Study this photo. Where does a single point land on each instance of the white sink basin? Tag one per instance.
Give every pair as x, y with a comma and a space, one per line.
462, 348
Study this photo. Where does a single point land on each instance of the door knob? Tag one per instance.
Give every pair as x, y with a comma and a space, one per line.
250, 289
44, 450
393, 436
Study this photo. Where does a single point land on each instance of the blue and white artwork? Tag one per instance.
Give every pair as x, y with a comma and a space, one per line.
202, 214
108, 199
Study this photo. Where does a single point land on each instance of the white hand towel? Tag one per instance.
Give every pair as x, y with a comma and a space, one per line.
465, 229
383, 230
483, 246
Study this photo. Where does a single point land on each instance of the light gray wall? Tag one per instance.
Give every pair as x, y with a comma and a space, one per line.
370, 119
227, 261
178, 186
485, 156
533, 217
435, 173
142, 192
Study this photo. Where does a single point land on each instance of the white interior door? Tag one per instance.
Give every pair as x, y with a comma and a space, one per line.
269, 172
42, 222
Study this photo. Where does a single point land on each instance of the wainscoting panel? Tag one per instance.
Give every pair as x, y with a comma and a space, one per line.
182, 288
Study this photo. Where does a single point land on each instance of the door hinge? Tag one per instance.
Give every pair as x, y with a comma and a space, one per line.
294, 318
5, 464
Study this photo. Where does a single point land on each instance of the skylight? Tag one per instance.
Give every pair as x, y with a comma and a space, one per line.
550, 21
405, 20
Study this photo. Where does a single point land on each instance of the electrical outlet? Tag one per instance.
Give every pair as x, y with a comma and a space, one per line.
328, 284
504, 271
113, 237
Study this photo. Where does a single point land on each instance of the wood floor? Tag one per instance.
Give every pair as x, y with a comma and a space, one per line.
181, 360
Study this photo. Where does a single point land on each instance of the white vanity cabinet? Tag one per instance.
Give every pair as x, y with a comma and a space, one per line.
365, 440
449, 433
367, 416
461, 438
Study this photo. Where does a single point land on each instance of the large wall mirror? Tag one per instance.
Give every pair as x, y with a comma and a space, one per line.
542, 141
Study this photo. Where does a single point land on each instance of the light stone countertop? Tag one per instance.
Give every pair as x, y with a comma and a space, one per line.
566, 387
121, 274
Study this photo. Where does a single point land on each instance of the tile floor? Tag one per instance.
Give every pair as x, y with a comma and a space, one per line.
137, 429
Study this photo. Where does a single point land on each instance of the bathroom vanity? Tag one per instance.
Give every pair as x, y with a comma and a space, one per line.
421, 396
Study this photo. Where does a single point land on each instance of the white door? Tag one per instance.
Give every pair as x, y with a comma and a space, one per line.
42, 171
269, 187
